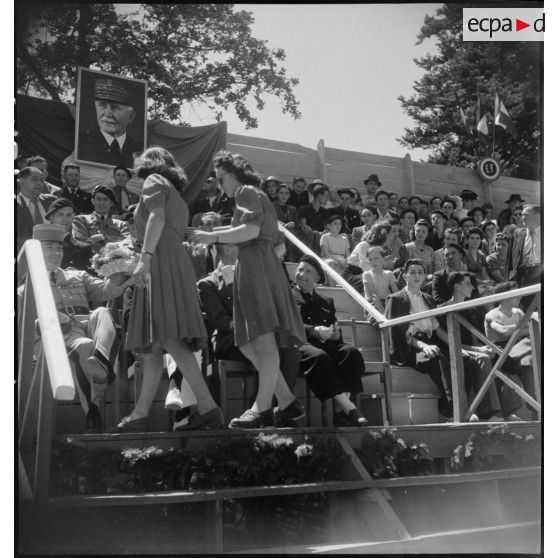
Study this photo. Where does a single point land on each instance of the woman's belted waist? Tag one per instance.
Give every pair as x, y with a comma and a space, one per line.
257, 242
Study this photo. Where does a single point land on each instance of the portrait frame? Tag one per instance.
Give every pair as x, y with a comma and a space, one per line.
90, 145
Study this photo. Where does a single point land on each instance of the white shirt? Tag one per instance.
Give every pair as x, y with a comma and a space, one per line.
227, 272
42, 210
532, 248
120, 139
426, 325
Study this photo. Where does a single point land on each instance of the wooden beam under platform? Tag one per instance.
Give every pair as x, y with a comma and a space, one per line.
441, 438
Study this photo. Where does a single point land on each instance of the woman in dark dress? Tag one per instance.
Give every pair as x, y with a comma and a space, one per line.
265, 313
165, 312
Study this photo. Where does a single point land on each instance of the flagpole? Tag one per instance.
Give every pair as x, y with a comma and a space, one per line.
494, 123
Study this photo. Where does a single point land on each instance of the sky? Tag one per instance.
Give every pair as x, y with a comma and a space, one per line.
353, 61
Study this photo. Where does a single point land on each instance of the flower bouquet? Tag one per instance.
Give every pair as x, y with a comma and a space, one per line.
113, 258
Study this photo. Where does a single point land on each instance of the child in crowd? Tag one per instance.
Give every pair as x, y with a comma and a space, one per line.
378, 282
335, 245
500, 324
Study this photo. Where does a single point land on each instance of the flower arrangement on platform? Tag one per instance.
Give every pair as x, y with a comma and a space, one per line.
497, 448
385, 456
263, 460
113, 258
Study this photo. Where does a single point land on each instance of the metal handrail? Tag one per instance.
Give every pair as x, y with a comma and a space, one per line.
351, 291
516, 293
58, 365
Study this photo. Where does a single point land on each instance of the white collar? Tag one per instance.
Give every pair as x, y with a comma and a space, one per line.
120, 139
410, 294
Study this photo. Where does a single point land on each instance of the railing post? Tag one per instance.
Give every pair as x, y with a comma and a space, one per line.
26, 332
535, 335
386, 356
456, 363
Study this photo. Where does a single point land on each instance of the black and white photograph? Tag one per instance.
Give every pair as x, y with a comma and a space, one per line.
279, 279
111, 124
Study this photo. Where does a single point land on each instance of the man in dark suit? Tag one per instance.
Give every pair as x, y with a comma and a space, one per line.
215, 200
124, 198
525, 251
299, 194
47, 188
216, 297
416, 344
332, 368
349, 217
382, 207
80, 199
453, 255
109, 143
31, 205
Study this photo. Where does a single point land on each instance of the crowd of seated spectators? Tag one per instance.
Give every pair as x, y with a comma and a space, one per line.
369, 237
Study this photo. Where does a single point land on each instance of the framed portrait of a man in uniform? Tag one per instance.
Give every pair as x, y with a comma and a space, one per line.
111, 122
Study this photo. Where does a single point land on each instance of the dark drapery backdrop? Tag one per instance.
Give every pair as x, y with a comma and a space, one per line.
47, 128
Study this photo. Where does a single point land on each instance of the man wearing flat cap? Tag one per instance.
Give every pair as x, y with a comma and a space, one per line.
372, 183
332, 368
99, 227
505, 217
90, 337
110, 143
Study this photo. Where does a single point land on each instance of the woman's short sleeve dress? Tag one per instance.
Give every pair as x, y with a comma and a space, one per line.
170, 308
262, 298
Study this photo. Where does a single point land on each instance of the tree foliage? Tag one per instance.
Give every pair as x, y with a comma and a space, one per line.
188, 53
454, 76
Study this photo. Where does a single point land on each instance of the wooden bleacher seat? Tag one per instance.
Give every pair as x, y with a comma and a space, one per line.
291, 269
346, 307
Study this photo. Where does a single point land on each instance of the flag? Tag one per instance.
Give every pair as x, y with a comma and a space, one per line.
482, 126
502, 117
482, 132
465, 122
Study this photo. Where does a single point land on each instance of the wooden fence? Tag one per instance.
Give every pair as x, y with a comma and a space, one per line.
340, 167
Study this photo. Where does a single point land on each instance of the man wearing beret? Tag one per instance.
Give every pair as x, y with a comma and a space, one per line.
332, 369
98, 228
350, 218
76, 254
110, 143
90, 337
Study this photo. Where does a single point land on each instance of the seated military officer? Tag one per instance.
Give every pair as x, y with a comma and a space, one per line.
99, 227
76, 254
90, 337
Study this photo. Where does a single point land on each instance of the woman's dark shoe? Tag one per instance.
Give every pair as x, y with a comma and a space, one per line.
253, 419
293, 411
127, 425
93, 420
356, 418
341, 419
212, 420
